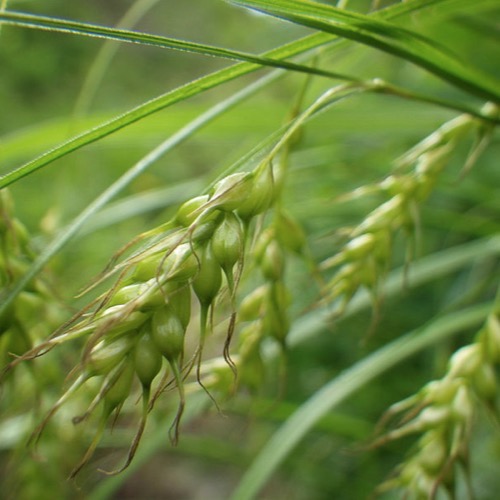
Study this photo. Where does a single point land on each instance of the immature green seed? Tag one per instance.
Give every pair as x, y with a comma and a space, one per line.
126, 294
179, 300
116, 320
465, 361
251, 307
273, 262
261, 194
190, 210
207, 282
231, 191
204, 230
228, 245
168, 333
227, 241
120, 389
147, 359
276, 322
434, 452
107, 354
289, 233
148, 268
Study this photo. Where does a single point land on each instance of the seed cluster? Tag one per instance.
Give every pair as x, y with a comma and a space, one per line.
365, 259
136, 333
35, 312
442, 412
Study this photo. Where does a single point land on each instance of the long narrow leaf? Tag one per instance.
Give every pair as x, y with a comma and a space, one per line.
121, 35
191, 89
382, 35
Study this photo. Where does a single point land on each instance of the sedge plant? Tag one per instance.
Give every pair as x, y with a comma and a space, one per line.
267, 257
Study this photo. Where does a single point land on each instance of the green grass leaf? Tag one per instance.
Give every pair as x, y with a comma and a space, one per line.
385, 36
34, 21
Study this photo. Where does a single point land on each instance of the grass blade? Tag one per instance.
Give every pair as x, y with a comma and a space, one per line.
191, 89
385, 36
34, 21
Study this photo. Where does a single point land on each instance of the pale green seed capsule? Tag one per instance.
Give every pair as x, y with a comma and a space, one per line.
231, 191
359, 247
168, 333
178, 297
290, 234
275, 321
148, 268
190, 210
252, 306
107, 354
181, 264
227, 241
485, 381
117, 320
261, 194
433, 453
465, 361
147, 359
273, 262
126, 294
207, 282
120, 389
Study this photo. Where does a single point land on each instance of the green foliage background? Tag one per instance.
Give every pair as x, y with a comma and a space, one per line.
355, 142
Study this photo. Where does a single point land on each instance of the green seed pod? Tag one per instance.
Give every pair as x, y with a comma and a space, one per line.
252, 306
204, 230
207, 282
465, 361
116, 320
463, 405
148, 268
181, 264
261, 194
485, 382
231, 191
126, 294
147, 359
251, 368
190, 210
275, 321
359, 247
491, 342
227, 241
290, 234
433, 453
120, 389
273, 262
107, 354
179, 301
168, 333
228, 246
